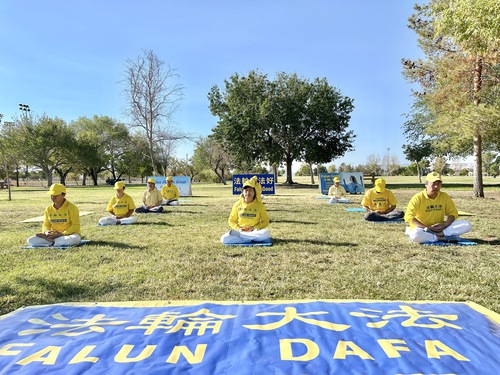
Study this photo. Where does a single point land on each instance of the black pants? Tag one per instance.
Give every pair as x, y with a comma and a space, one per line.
393, 215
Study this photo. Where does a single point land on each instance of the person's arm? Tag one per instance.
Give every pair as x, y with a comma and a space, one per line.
176, 196
439, 227
264, 219
233, 217
390, 209
130, 212
74, 218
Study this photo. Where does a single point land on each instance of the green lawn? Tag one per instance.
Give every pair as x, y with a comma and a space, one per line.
319, 252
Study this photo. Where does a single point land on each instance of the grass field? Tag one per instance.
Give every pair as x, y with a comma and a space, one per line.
320, 251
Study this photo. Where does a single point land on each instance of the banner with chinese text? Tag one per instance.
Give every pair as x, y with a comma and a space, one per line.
266, 180
283, 337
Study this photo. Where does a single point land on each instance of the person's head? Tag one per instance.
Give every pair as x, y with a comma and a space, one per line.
379, 185
57, 193
433, 183
151, 183
353, 179
169, 180
119, 188
336, 180
251, 190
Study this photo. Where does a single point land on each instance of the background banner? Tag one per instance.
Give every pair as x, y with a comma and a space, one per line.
285, 337
352, 182
183, 183
266, 180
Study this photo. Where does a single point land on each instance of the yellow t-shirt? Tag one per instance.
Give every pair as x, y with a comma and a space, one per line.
170, 192
379, 201
152, 198
337, 191
120, 206
248, 215
430, 211
65, 220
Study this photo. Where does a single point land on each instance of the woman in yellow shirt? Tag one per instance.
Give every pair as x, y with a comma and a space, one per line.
248, 219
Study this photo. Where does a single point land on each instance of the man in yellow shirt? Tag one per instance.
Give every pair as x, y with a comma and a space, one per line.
151, 199
427, 210
61, 222
337, 192
248, 218
380, 203
121, 207
170, 193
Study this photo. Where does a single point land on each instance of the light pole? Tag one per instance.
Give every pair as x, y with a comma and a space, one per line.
388, 161
25, 109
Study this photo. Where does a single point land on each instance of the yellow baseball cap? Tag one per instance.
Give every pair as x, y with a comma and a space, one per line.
251, 182
433, 176
119, 185
56, 189
169, 178
379, 185
152, 180
336, 179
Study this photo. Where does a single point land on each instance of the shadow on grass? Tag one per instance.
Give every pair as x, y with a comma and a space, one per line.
486, 242
277, 241
186, 212
119, 245
295, 222
67, 291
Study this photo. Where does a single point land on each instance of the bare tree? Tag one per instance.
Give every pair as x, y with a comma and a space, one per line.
152, 100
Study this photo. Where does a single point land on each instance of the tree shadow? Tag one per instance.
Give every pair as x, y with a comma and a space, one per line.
119, 245
312, 242
294, 222
486, 242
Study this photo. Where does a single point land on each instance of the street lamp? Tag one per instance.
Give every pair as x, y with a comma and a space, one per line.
25, 109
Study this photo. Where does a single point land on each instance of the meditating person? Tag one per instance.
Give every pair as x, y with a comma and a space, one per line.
121, 207
248, 219
432, 214
151, 199
380, 203
61, 221
337, 192
170, 193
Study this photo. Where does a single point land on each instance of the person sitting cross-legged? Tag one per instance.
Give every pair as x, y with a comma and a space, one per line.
337, 192
248, 219
427, 211
121, 207
381, 203
170, 193
61, 221
151, 199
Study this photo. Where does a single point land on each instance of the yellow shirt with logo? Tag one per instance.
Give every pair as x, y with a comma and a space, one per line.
120, 206
65, 220
248, 215
170, 192
337, 191
430, 211
379, 201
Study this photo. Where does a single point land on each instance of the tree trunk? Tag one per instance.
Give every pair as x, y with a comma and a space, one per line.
84, 180
477, 139
275, 170
289, 179
419, 172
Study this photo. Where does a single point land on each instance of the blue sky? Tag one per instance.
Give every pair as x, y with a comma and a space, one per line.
67, 58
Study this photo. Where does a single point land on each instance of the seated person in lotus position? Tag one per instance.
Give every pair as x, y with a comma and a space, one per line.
151, 199
248, 219
380, 203
61, 222
427, 210
337, 192
170, 193
121, 206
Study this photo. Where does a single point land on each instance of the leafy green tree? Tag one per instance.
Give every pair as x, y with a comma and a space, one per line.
459, 79
47, 143
284, 120
417, 153
209, 153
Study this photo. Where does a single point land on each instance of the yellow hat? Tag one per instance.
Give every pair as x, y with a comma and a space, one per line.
56, 189
169, 178
254, 184
433, 176
379, 185
336, 179
119, 185
251, 182
152, 180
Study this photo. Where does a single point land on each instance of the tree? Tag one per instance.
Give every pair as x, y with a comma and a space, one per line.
47, 143
152, 100
373, 167
459, 79
417, 153
285, 120
209, 152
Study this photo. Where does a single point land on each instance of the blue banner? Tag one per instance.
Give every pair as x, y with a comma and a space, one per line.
183, 184
287, 337
266, 180
352, 182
